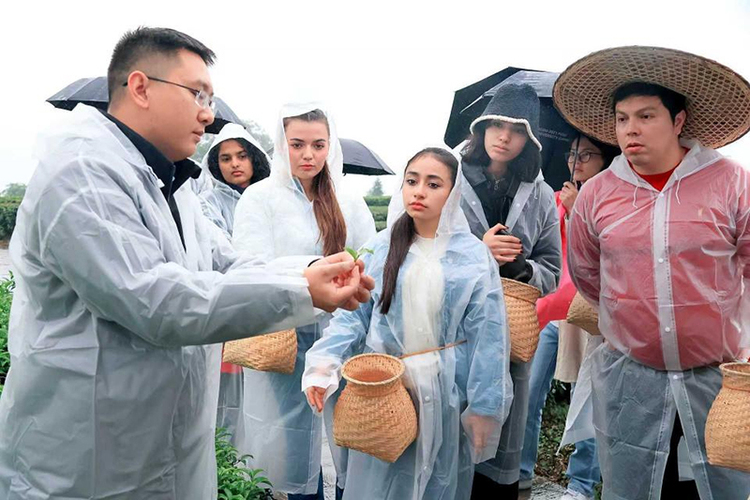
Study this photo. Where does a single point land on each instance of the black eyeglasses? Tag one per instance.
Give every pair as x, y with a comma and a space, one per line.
202, 98
583, 157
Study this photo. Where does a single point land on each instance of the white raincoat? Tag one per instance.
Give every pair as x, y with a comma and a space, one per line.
533, 218
111, 394
669, 271
274, 218
448, 290
220, 201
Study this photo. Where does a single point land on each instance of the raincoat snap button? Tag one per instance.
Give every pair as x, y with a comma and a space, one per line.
661, 261
667, 329
473, 202
427, 399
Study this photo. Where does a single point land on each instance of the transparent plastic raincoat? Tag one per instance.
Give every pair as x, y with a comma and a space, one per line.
669, 272
111, 394
533, 219
274, 218
448, 290
220, 201
218, 205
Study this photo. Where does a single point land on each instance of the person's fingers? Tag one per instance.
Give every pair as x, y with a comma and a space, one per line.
330, 271
339, 257
361, 265
345, 296
319, 399
367, 282
497, 227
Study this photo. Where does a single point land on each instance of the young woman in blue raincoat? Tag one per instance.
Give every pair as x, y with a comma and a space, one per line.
298, 210
511, 208
436, 286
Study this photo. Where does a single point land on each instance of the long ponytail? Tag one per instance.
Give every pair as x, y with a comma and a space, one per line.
403, 235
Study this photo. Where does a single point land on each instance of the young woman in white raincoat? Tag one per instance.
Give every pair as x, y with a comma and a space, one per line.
511, 208
234, 161
436, 286
299, 210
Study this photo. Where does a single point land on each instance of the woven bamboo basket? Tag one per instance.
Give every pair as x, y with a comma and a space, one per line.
728, 423
520, 306
583, 315
273, 352
374, 413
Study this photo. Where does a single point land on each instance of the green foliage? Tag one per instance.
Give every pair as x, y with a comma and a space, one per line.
6, 297
8, 210
549, 464
14, 190
376, 189
377, 201
236, 480
378, 205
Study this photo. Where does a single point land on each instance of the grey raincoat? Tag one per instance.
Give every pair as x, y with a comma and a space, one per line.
113, 384
533, 219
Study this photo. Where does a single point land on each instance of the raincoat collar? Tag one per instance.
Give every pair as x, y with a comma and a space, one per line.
697, 158
171, 175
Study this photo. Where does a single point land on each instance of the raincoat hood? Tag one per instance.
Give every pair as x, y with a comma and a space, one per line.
230, 131
281, 168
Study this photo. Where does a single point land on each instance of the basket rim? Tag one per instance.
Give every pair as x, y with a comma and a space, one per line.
521, 284
731, 368
401, 370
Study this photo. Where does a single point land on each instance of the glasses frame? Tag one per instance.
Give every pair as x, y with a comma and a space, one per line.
579, 157
202, 99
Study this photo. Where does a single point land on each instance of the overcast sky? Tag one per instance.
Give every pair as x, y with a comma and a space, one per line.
387, 70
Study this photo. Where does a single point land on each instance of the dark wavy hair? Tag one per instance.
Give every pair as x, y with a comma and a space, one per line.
403, 232
261, 167
525, 166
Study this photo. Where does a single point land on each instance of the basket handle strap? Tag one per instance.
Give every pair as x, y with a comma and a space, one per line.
434, 349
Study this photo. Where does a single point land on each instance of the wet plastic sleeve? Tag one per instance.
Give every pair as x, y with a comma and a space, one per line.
95, 241
546, 256
489, 388
583, 250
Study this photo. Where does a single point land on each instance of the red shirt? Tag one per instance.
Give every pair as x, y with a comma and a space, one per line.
658, 181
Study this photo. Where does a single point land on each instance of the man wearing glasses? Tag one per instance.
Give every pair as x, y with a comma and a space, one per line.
125, 292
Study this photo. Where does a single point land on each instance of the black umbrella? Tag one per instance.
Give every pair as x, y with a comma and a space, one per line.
359, 159
94, 92
555, 133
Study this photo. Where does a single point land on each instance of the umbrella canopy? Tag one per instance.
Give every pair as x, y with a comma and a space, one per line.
94, 92
359, 159
555, 133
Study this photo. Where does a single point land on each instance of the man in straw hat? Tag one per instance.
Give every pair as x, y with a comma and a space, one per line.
661, 243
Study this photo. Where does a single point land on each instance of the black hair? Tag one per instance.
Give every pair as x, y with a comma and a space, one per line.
525, 166
143, 42
673, 101
403, 232
261, 167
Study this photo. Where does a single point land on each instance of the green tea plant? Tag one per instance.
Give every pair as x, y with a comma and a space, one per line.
6, 297
236, 480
